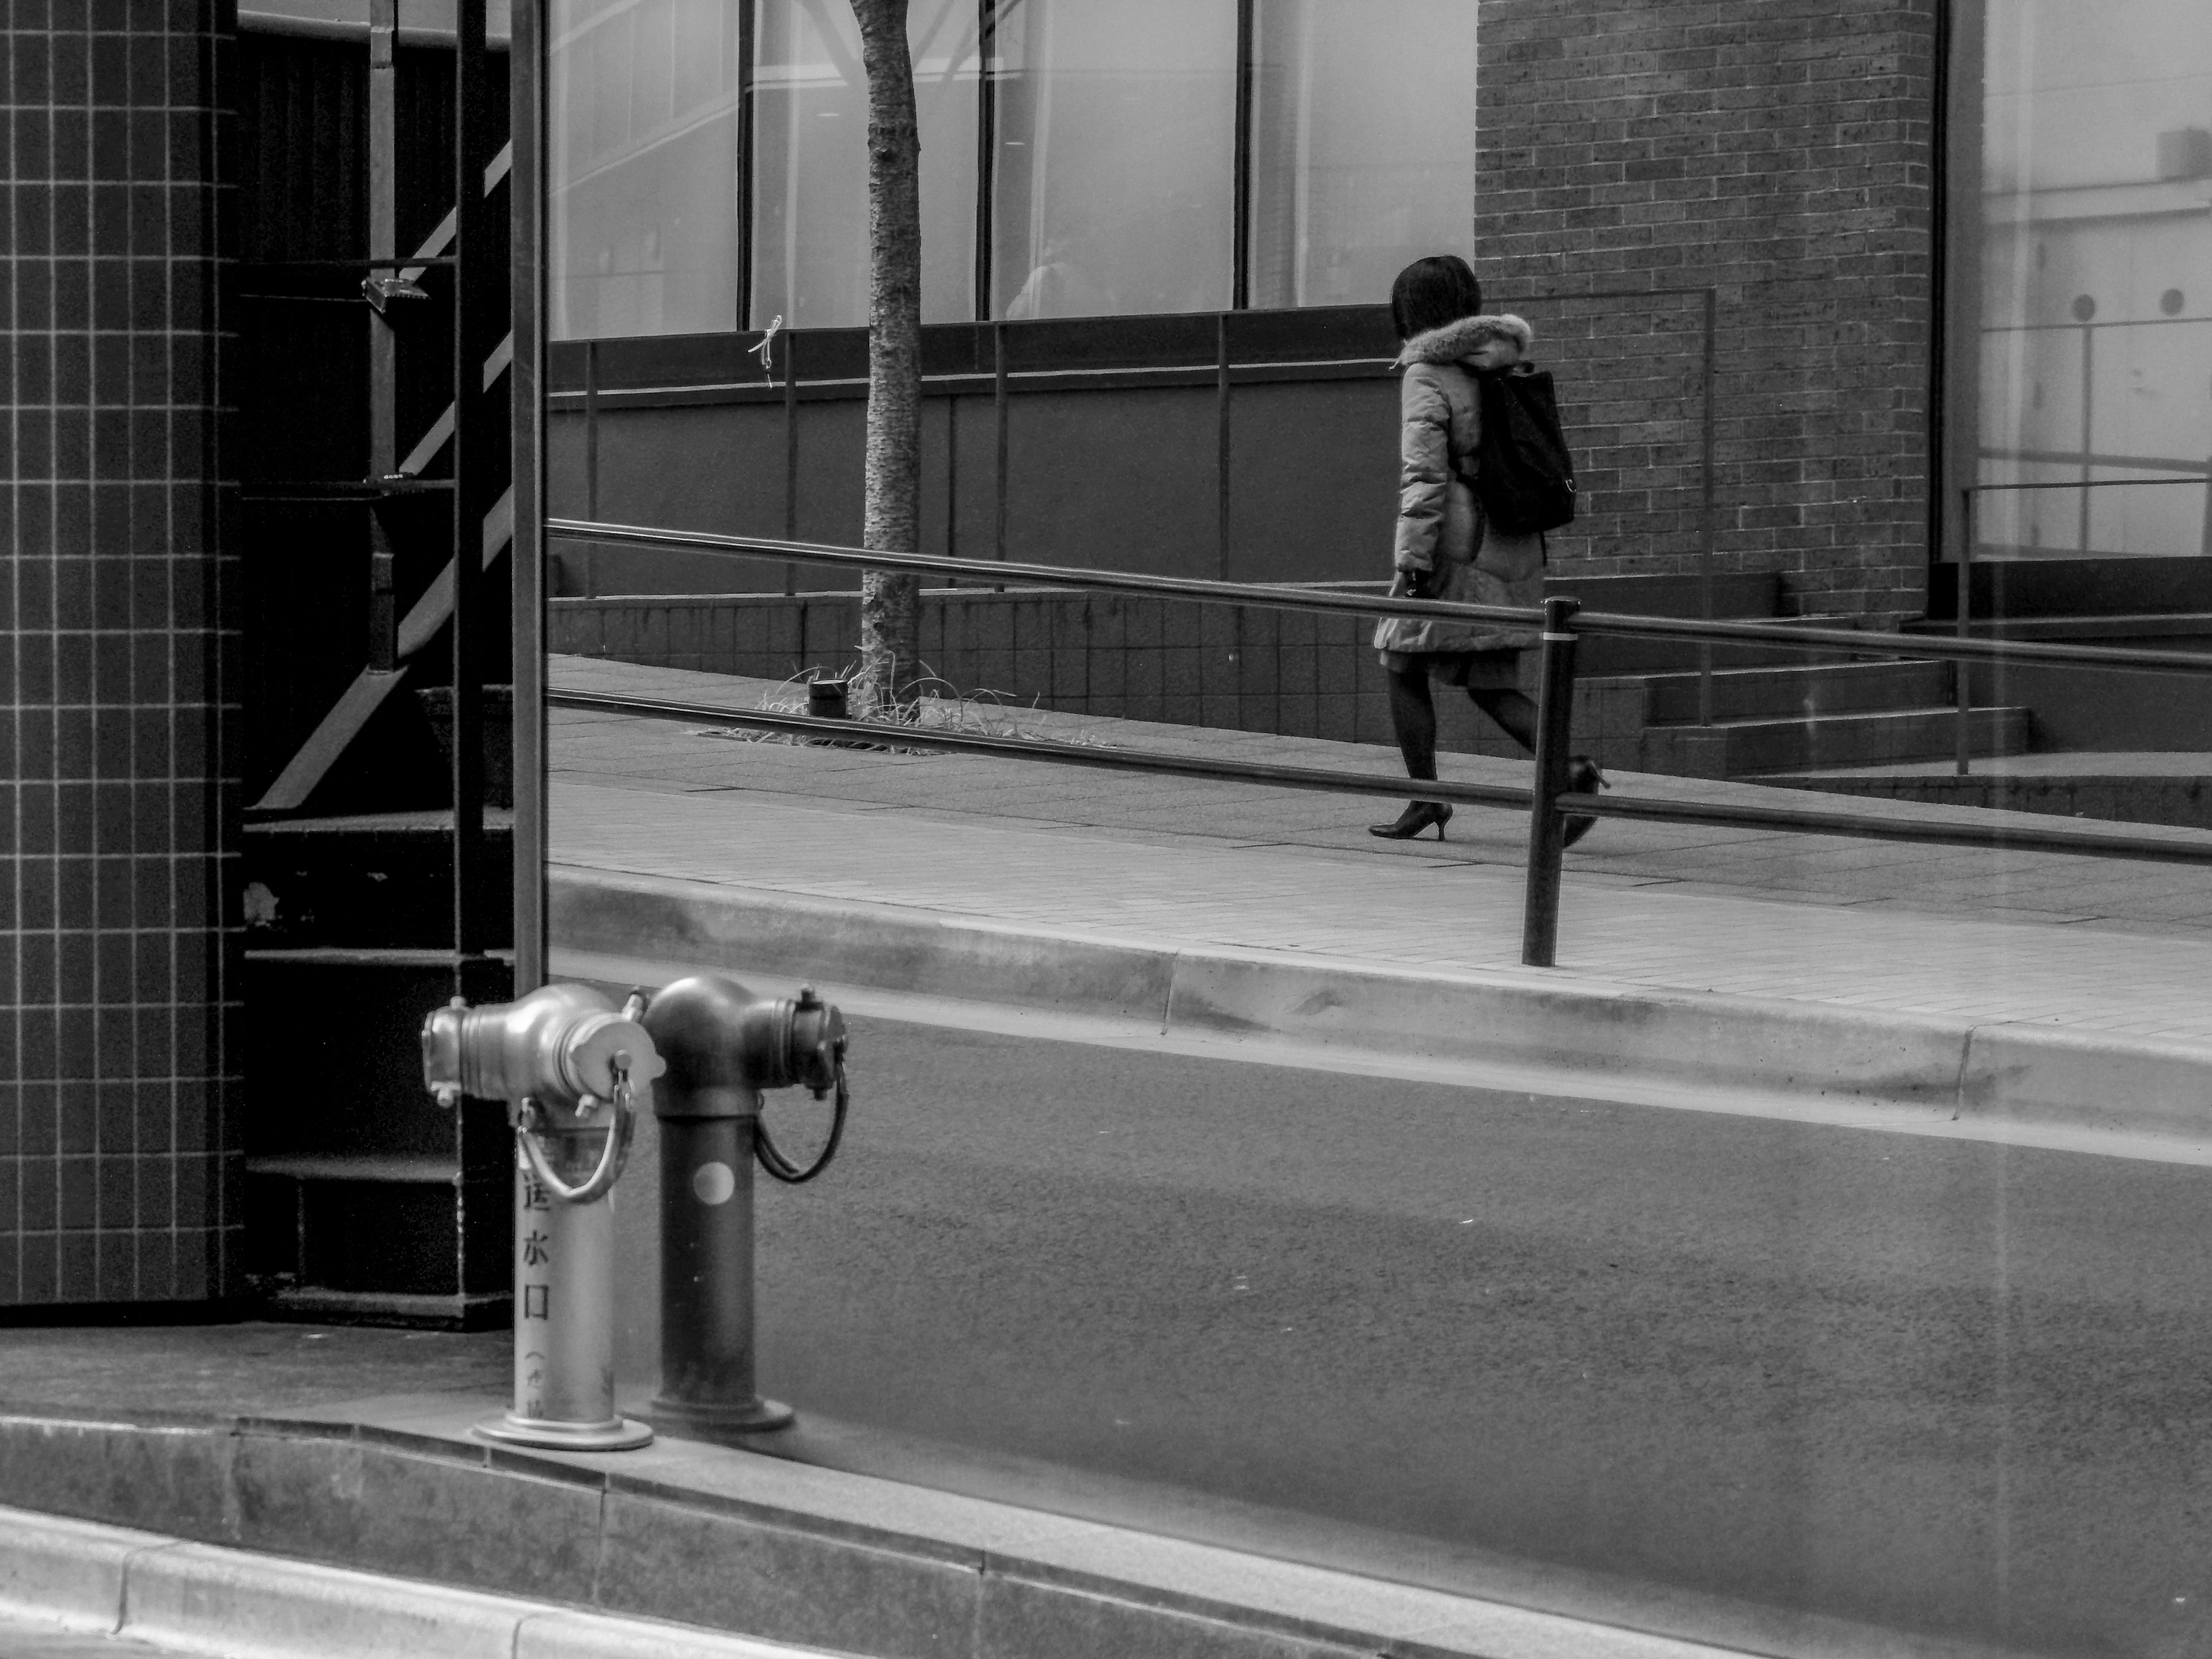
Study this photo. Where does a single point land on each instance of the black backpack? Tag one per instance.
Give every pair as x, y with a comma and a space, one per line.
1522, 473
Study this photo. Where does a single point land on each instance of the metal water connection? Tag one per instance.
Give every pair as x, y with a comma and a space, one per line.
568, 1063
723, 1046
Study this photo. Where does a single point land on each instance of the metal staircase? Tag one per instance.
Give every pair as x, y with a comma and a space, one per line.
376, 511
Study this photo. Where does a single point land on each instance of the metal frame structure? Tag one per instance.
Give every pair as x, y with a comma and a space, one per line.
367, 1208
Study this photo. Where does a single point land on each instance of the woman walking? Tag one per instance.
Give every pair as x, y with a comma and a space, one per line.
1444, 549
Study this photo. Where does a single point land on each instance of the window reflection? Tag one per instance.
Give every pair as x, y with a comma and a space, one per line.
2097, 277
644, 193
809, 181
1354, 173
1112, 156
1115, 156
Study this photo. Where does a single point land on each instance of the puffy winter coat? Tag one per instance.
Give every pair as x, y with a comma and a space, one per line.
1440, 523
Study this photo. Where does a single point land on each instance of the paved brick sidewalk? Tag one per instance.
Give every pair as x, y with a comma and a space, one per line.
2037, 937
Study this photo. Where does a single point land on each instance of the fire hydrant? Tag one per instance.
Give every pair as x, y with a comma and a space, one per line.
567, 1065
723, 1045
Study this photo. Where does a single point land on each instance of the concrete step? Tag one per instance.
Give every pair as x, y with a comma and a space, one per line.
1607, 654
1801, 690
1748, 748
365, 881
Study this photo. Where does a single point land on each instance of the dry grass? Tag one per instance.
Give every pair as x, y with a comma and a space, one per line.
939, 705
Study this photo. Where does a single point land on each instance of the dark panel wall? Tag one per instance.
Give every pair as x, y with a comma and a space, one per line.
1783, 149
1123, 478
117, 1145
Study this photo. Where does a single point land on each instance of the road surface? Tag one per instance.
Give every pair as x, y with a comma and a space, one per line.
1510, 1342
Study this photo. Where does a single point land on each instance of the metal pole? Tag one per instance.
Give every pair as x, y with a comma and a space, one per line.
1240, 250
1221, 446
526, 305
952, 478
2089, 427
1539, 926
986, 148
1709, 515
591, 440
999, 410
1963, 673
790, 454
383, 339
480, 256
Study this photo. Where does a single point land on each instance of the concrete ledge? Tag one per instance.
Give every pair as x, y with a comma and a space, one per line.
2097, 1081
853, 943
747, 1557
1573, 1028
194, 1598
1561, 1032
69, 1573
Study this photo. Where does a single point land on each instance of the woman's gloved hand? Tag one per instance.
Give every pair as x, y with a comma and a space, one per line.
1414, 585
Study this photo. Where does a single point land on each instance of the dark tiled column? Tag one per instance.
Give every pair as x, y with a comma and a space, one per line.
117, 1132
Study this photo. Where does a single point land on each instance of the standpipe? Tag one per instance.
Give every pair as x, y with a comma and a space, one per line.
723, 1046
567, 1065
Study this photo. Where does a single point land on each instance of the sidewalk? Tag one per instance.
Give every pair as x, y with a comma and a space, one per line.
1931, 940
238, 1455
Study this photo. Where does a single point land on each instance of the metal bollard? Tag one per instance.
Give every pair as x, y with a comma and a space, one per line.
1555, 706
723, 1045
567, 1064
827, 700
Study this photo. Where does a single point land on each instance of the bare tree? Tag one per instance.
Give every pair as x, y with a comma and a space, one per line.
892, 521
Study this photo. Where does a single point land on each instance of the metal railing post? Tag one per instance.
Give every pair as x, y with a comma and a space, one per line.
1963, 673
1709, 509
1539, 926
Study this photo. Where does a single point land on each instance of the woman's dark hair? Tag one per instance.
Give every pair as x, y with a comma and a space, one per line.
1431, 292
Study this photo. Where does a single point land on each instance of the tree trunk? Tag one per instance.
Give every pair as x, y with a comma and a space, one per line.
891, 523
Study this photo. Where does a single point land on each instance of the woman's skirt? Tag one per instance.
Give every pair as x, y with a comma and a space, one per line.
1495, 669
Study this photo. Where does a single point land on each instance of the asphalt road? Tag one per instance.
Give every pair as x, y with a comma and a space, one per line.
1503, 1341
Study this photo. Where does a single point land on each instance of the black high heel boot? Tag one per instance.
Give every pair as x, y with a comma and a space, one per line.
1418, 816
1583, 778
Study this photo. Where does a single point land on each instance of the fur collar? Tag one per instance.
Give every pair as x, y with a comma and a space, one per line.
1456, 340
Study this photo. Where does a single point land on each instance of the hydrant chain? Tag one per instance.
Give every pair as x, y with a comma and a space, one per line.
771, 1156
614, 1155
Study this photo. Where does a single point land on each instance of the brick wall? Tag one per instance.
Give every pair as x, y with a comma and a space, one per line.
117, 1140
1782, 150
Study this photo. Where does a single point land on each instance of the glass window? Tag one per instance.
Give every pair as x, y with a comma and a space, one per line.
811, 179
2096, 278
1114, 158
1363, 145
644, 167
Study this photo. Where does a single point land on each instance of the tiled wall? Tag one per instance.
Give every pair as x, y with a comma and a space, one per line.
117, 1135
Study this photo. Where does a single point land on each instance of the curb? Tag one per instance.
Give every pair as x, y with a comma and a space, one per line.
744, 1556
1560, 1032
197, 1598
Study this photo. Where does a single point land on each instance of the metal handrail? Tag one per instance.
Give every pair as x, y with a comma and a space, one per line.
1548, 800
1811, 821
1269, 595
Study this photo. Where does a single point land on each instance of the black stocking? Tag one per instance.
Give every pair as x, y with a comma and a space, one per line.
1514, 714
1414, 718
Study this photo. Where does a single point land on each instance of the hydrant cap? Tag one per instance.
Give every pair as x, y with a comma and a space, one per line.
698, 1024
